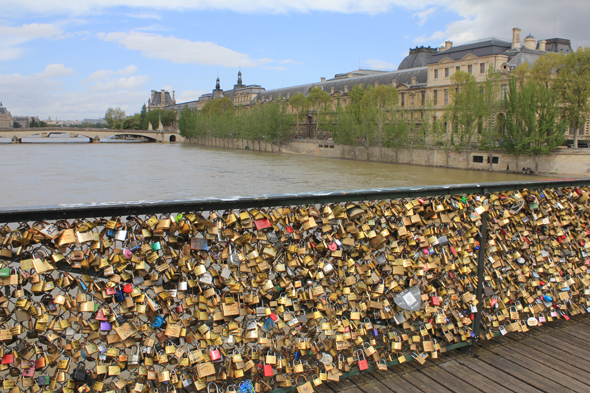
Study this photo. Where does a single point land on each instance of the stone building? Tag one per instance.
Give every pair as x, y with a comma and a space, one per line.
6, 119
161, 99
422, 79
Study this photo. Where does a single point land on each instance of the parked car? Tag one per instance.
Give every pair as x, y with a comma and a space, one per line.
580, 145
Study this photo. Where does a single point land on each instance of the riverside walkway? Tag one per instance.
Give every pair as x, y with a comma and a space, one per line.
553, 358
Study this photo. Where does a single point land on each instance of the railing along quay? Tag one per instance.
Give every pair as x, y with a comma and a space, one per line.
278, 292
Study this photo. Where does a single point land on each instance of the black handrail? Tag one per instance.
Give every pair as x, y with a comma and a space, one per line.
102, 209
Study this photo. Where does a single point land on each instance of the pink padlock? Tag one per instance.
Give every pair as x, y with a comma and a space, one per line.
214, 354
128, 254
29, 372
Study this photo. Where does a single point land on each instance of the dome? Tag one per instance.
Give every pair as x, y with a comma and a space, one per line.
530, 36
418, 57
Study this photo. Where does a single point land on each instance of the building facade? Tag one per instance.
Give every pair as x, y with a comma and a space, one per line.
422, 78
6, 120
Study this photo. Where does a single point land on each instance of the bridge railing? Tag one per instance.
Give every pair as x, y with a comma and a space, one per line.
267, 289
74, 129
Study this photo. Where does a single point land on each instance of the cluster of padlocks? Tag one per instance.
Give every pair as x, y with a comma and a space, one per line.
253, 300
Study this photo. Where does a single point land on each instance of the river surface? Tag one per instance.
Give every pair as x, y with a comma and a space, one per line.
64, 170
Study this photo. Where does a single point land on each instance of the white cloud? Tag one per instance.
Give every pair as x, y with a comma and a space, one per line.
106, 74
251, 6
189, 95
423, 15
481, 19
179, 50
12, 37
289, 61
380, 64
145, 15
41, 94
131, 83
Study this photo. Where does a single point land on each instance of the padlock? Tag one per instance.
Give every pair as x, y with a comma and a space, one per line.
363, 364
215, 355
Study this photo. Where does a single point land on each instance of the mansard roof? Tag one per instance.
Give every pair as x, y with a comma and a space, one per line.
486, 47
339, 85
157, 100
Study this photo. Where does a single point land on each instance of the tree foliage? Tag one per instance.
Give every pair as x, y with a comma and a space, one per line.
114, 118
300, 104
572, 87
167, 117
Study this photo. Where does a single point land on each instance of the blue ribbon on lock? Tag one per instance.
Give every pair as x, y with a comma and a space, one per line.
159, 321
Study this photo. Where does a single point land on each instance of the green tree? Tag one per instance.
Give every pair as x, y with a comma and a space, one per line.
187, 122
300, 105
114, 117
218, 106
132, 122
572, 86
378, 104
319, 100
142, 115
167, 117
278, 121
33, 123
15, 124
469, 108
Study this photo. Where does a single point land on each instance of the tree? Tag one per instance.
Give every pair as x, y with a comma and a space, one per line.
154, 117
218, 106
300, 104
378, 104
142, 114
114, 118
469, 108
278, 121
187, 122
15, 124
33, 123
572, 86
319, 99
132, 122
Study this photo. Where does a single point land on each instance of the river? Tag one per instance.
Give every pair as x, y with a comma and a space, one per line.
63, 170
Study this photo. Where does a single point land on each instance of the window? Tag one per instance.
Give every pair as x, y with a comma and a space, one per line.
403, 99
435, 73
478, 159
447, 72
504, 91
495, 160
446, 97
458, 68
423, 98
470, 68
482, 68
435, 97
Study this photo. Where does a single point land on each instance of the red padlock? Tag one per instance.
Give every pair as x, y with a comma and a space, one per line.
8, 359
363, 363
214, 354
110, 291
179, 309
128, 288
267, 368
434, 301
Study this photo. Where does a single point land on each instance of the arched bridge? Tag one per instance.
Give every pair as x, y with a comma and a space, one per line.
94, 134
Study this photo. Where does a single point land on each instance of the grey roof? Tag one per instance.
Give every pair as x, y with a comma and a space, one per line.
558, 45
157, 100
418, 57
492, 46
518, 56
386, 78
529, 36
3, 111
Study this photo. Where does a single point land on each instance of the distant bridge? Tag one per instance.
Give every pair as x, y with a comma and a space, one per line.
93, 134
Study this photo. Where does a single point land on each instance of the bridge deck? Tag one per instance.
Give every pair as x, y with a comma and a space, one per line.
552, 358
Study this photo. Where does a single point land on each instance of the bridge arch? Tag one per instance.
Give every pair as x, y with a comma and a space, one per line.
172, 138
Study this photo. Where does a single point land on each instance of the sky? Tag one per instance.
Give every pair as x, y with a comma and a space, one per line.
73, 59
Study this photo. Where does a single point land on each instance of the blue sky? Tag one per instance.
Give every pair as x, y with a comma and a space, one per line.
74, 59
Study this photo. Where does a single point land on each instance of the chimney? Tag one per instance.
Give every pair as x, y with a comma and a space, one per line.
323, 79
448, 45
174, 96
541, 45
516, 38
441, 48
413, 80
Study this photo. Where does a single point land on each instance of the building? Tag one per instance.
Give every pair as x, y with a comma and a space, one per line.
422, 78
6, 120
161, 99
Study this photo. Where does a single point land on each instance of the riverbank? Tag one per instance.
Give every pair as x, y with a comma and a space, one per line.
561, 163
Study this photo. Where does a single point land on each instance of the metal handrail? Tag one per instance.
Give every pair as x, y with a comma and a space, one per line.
80, 210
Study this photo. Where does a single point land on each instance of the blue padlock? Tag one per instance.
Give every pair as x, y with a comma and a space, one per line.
110, 233
159, 321
156, 246
119, 295
375, 332
548, 298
